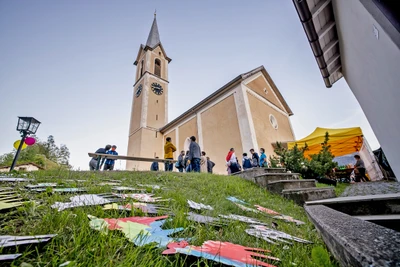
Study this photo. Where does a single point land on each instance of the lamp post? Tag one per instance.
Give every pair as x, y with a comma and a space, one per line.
26, 125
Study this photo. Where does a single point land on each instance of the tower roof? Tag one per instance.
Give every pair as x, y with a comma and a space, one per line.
154, 35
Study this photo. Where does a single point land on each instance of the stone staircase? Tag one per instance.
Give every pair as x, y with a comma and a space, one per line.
288, 185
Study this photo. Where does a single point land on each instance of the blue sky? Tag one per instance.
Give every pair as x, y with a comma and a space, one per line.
70, 65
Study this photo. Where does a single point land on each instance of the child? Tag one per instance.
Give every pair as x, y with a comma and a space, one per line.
246, 162
154, 166
263, 158
109, 164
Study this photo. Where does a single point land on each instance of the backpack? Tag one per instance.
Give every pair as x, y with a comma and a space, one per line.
255, 162
247, 164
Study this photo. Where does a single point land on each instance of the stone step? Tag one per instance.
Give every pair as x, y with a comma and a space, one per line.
263, 179
391, 221
301, 195
363, 205
278, 186
249, 174
354, 242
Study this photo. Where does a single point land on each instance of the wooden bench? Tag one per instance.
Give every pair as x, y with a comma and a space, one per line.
109, 156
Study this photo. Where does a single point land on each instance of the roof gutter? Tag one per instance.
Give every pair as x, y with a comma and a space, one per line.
308, 25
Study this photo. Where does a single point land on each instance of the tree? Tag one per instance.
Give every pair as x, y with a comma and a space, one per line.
318, 165
292, 159
322, 163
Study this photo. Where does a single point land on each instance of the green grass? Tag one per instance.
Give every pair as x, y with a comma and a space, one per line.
339, 188
78, 243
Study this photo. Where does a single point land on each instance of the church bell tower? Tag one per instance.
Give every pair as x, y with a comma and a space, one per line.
150, 101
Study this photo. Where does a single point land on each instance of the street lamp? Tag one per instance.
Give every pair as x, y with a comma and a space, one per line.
26, 125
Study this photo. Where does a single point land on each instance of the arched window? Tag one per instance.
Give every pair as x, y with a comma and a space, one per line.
141, 68
157, 67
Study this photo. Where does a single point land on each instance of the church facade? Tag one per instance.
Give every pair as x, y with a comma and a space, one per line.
247, 112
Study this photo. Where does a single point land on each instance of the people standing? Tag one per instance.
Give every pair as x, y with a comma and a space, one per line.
231, 162
109, 164
359, 170
255, 159
154, 166
169, 150
194, 155
180, 164
246, 162
263, 158
210, 165
93, 162
203, 162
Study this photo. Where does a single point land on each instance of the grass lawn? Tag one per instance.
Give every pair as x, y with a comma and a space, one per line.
82, 246
339, 188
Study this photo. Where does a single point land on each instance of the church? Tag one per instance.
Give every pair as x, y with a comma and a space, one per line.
247, 112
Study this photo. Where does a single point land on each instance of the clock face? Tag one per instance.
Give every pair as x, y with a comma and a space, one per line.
139, 90
157, 88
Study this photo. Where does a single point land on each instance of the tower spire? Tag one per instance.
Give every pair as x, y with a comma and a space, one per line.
154, 36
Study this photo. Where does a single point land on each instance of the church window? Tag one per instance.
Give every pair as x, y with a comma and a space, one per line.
156, 117
157, 67
273, 121
159, 53
141, 68
265, 91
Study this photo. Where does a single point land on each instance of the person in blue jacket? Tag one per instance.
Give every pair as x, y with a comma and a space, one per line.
109, 164
263, 158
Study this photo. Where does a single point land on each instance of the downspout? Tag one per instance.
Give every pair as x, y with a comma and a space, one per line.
306, 20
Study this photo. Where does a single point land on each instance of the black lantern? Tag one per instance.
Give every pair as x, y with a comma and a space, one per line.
26, 125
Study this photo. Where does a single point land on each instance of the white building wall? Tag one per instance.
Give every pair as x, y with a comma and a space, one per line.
371, 67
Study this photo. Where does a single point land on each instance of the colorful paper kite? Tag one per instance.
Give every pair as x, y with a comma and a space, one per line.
9, 199
236, 200
199, 206
139, 230
267, 211
125, 188
263, 232
41, 185
61, 190
84, 200
222, 252
144, 207
246, 208
9, 257
109, 183
288, 219
278, 215
152, 186
242, 219
12, 241
14, 180
217, 222
142, 197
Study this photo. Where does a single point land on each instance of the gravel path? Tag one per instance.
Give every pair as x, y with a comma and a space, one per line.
371, 188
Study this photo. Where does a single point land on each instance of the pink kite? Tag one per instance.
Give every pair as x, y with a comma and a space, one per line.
114, 223
267, 211
223, 252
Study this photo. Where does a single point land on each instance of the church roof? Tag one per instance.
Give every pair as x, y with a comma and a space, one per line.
222, 91
154, 36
